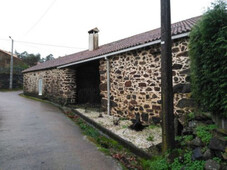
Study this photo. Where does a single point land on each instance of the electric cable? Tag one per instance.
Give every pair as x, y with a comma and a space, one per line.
42, 16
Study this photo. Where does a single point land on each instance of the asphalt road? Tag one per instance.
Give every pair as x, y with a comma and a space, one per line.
36, 135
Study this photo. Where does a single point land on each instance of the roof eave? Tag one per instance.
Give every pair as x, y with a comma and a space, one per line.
174, 37
26, 71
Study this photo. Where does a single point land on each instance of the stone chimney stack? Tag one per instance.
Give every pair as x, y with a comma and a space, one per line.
93, 39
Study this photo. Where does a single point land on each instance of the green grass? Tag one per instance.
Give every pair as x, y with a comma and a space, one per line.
157, 163
161, 163
123, 118
10, 90
187, 163
34, 98
104, 150
130, 161
190, 116
152, 126
108, 145
124, 126
150, 138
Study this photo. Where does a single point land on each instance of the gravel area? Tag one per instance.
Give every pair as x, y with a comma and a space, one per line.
144, 139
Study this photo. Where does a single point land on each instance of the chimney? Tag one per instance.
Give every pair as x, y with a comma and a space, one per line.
93, 39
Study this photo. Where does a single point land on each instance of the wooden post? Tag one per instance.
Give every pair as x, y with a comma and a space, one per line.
166, 73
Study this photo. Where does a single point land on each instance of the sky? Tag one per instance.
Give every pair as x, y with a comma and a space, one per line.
60, 27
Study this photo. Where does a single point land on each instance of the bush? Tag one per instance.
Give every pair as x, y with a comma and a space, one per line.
208, 53
159, 163
204, 132
187, 163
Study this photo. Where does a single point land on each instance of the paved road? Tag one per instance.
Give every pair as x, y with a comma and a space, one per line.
36, 135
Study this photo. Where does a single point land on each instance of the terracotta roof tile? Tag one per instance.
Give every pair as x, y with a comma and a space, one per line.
8, 53
139, 39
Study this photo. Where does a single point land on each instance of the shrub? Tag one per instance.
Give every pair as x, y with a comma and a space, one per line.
159, 163
187, 163
208, 54
204, 132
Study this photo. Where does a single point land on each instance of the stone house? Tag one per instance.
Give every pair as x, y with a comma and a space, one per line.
5, 58
123, 77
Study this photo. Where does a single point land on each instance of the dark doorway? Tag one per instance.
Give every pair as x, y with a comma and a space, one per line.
88, 81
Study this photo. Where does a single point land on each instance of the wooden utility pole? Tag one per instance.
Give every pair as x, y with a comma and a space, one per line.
166, 73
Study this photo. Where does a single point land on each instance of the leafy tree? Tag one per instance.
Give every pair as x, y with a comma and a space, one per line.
42, 60
49, 57
30, 59
208, 53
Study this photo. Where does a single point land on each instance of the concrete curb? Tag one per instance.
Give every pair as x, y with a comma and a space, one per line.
105, 131
112, 135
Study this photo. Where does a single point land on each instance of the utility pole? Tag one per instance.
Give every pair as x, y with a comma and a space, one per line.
11, 67
168, 140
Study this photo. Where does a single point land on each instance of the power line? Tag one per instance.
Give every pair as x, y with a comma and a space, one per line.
52, 45
44, 44
3, 39
42, 16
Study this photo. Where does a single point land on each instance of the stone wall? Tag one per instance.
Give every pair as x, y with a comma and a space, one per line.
18, 66
58, 84
135, 80
17, 80
5, 59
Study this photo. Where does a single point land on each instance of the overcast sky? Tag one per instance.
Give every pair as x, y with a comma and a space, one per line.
64, 24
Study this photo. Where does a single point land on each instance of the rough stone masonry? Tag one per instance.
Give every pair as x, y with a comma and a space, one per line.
135, 79
59, 85
135, 82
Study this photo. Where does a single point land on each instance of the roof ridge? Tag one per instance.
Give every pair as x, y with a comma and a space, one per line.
177, 28
156, 29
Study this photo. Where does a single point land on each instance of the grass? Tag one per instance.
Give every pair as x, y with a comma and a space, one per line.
10, 90
190, 116
123, 118
152, 126
124, 126
150, 138
106, 145
162, 163
182, 159
34, 98
157, 163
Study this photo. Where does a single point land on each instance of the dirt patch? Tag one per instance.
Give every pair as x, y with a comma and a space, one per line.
144, 139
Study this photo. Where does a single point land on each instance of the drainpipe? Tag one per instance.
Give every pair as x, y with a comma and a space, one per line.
108, 84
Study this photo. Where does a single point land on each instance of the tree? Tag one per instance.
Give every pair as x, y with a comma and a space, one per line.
49, 57
30, 59
42, 60
208, 54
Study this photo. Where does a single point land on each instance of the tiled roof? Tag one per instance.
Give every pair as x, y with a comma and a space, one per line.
139, 39
8, 53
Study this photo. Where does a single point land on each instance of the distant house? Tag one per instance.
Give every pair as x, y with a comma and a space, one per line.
123, 77
5, 58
